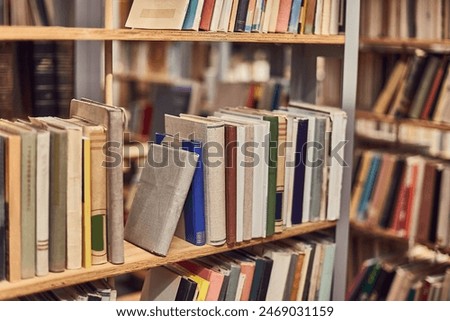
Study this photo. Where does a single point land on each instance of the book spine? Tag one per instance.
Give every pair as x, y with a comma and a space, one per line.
295, 16
283, 16
248, 188
188, 22
258, 17
272, 187
250, 15
3, 254
114, 181
241, 16
43, 206
194, 209
299, 172
28, 215
65, 76
58, 199
86, 201
230, 182
309, 17
207, 13
7, 83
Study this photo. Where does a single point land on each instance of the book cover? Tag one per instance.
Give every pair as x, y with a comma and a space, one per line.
160, 284
207, 13
231, 182
3, 254
241, 16
294, 18
299, 171
283, 16
160, 197
157, 14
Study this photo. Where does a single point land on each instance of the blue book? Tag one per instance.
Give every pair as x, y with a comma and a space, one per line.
188, 23
368, 187
299, 172
295, 15
194, 207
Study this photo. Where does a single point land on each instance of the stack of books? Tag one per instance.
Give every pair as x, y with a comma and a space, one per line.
61, 191
319, 17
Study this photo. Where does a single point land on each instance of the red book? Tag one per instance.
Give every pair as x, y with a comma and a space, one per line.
284, 14
207, 13
434, 91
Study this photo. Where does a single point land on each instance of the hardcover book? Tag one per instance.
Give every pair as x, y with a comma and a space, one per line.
160, 197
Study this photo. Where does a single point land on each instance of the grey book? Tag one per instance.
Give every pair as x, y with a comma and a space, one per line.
113, 119
160, 197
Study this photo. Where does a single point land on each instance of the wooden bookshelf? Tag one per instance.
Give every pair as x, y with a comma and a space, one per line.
390, 119
14, 33
137, 259
437, 45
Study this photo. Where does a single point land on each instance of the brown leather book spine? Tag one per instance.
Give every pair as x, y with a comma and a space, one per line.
426, 205
230, 181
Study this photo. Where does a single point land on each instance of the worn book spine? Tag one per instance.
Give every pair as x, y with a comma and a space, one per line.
58, 200
295, 16
230, 182
43, 201
250, 15
248, 187
87, 232
317, 169
309, 17
99, 189
299, 172
208, 8
241, 16
283, 16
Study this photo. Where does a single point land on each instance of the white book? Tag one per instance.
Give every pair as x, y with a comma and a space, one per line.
258, 16
318, 17
334, 17
225, 16
274, 15
157, 14
260, 171
240, 287
43, 203
250, 15
326, 17
217, 12
265, 17
74, 190
198, 15
279, 274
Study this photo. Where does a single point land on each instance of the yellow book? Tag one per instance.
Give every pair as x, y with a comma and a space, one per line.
202, 284
87, 244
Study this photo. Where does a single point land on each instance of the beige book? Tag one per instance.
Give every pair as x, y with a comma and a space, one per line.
74, 190
157, 14
274, 15
266, 16
12, 198
442, 237
160, 284
212, 133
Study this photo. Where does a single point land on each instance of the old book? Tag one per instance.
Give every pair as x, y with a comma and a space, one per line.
160, 197
225, 16
358, 185
310, 10
193, 219
27, 195
250, 15
368, 186
202, 284
96, 181
157, 14
207, 13
441, 112
42, 194
283, 16
258, 17
112, 118
212, 133
266, 16
274, 10
186, 290
294, 19
73, 190
231, 182
430, 102
241, 16
442, 233
233, 15
160, 284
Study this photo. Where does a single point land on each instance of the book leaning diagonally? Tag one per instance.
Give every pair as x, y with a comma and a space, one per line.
159, 200
112, 118
212, 133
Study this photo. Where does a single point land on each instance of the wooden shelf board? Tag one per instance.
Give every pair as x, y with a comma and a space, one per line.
375, 231
389, 119
440, 45
64, 33
138, 259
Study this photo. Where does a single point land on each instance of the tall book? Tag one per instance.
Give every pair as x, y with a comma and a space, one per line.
112, 119
231, 182
212, 133
28, 196
160, 197
241, 15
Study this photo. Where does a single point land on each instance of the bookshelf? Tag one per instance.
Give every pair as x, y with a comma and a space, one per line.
310, 47
385, 40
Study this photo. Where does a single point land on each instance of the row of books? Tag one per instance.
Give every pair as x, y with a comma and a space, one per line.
38, 78
406, 194
98, 290
61, 199
320, 17
417, 87
37, 12
256, 173
421, 19
290, 270
400, 278
415, 137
